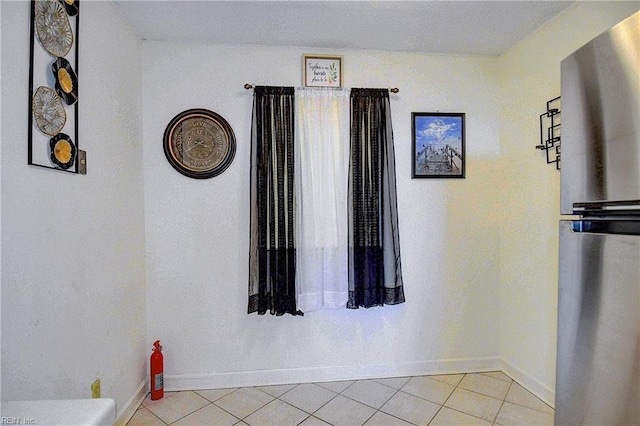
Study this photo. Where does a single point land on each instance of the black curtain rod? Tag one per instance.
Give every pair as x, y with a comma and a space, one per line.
251, 86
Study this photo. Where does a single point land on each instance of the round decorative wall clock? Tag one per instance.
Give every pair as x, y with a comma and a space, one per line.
199, 143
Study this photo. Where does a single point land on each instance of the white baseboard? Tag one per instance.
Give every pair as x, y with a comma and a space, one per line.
327, 374
126, 413
545, 393
337, 373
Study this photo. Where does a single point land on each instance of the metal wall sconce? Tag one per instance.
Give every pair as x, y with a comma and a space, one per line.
550, 132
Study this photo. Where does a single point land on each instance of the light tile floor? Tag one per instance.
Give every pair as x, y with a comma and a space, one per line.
453, 399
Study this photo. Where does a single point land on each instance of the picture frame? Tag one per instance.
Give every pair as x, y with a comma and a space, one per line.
322, 70
438, 145
53, 87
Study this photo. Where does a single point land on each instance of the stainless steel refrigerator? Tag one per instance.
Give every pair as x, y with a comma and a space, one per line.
598, 363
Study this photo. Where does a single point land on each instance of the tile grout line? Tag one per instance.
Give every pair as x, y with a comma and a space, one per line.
232, 415
502, 403
359, 402
477, 393
344, 396
532, 394
311, 414
240, 419
289, 404
445, 401
259, 408
188, 414
209, 403
531, 408
154, 415
384, 403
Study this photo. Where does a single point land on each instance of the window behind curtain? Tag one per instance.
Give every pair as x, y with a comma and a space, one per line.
322, 232
322, 161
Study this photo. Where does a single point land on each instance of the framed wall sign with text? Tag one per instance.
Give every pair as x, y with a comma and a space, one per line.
322, 71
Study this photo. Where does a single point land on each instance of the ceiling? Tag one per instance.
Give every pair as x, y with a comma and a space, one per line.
442, 27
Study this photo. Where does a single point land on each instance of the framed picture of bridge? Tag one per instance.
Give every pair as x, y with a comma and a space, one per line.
437, 145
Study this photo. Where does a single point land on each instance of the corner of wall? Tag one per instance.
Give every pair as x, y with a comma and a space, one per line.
530, 76
129, 408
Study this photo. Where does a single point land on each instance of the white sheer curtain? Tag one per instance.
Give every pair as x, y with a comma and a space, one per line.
322, 165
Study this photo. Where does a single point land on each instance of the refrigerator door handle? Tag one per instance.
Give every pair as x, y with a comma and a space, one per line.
608, 208
595, 226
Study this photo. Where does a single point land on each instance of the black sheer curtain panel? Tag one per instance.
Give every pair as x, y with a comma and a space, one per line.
272, 257
375, 272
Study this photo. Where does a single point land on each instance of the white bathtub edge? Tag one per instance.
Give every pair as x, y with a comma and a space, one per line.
67, 412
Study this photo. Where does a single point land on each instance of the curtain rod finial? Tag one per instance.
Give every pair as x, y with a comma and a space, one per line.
248, 86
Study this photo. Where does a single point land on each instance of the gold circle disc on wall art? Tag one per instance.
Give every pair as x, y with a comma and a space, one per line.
66, 81
62, 151
199, 143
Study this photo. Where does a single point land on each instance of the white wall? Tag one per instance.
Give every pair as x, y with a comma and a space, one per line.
73, 264
198, 230
479, 254
530, 76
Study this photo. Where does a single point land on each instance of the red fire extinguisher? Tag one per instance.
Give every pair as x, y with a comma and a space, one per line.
157, 380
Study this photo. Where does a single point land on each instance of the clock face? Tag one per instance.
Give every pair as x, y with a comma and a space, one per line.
199, 143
